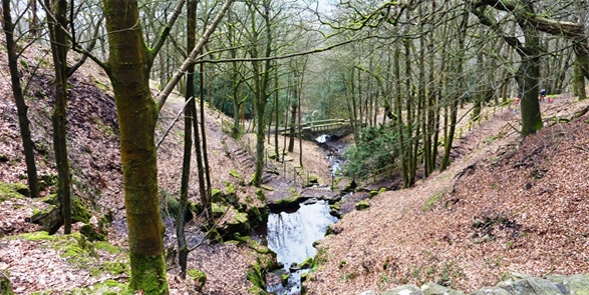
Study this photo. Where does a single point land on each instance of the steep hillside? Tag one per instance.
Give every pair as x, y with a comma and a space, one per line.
502, 207
93, 145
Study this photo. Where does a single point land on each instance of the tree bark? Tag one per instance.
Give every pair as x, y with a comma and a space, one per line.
128, 68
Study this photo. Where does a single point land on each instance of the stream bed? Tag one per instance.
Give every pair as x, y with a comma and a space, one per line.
291, 234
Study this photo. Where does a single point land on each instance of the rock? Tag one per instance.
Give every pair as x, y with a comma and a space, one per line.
404, 290
530, 285
304, 265
576, 285
50, 219
199, 278
490, 291
362, 205
435, 289
92, 233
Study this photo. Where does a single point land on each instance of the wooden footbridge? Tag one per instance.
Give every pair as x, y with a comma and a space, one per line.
310, 130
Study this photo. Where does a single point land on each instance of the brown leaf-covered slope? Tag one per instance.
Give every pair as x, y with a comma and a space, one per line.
502, 207
95, 161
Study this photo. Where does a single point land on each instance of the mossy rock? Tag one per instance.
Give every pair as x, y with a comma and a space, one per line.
284, 279
257, 214
13, 190
5, 283
268, 188
199, 278
260, 195
36, 236
218, 210
81, 212
254, 275
313, 178
216, 195
362, 205
92, 233
304, 277
238, 176
115, 267
50, 219
196, 208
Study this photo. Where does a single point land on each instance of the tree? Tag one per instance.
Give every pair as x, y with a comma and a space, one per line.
59, 49
128, 67
19, 99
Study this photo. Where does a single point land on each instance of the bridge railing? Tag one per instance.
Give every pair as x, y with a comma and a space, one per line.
317, 125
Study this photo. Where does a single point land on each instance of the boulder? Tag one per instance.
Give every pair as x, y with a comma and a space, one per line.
490, 291
530, 285
435, 289
404, 290
576, 285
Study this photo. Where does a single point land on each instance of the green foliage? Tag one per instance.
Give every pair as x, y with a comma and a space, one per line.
376, 148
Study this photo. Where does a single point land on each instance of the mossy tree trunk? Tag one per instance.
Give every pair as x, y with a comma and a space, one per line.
128, 68
19, 99
528, 78
59, 50
579, 82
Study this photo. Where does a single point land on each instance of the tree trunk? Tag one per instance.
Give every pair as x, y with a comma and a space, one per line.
59, 51
128, 68
19, 100
528, 78
293, 117
457, 97
188, 115
579, 82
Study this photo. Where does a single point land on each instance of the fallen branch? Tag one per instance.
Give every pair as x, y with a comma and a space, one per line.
581, 148
173, 123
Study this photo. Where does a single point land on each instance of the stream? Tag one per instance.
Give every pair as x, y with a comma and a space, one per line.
291, 232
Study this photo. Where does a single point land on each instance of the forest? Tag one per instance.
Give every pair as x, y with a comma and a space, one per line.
294, 146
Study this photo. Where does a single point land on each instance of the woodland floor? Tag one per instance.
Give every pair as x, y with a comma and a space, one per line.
502, 206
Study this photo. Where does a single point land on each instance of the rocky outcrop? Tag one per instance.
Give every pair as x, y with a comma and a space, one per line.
515, 284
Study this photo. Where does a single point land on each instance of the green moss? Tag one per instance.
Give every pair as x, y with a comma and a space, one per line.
307, 263
149, 273
362, 205
112, 283
91, 233
230, 189
199, 277
218, 210
13, 191
72, 250
216, 195
260, 194
81, 211
105, 246
433, 199
35, 236
238, 176
254, 275
115, 267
